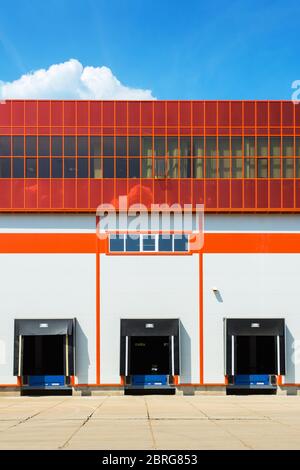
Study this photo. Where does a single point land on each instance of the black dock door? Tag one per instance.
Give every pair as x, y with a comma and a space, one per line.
149, 347
44, 347
254, 346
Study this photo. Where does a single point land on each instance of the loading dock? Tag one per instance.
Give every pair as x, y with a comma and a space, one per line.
44, 353
149, 353
255, 352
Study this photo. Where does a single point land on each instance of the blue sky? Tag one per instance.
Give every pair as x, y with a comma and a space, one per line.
177, 49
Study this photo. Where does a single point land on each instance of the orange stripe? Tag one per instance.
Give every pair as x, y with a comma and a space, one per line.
48, 243
87, 243
98, 318
251, 243
201, 332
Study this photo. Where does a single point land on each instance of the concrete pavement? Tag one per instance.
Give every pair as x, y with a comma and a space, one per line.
150, 422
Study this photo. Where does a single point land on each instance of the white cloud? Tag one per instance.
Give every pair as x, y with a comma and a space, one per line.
70, 80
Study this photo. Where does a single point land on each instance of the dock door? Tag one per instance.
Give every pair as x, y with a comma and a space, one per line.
149, 353
44, 352
255, 352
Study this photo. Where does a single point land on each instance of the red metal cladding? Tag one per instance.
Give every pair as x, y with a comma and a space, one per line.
187, 130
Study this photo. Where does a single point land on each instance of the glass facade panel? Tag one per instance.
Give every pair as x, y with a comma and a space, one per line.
147, 150
172, 146
237, 168
224, 167
198, 167
95, 146
121, 146
121, 168
288, 146
211, 167
5, 169
95, 168
249, 168
262, 168
18, 146
134, 167
57, 146
159, 168
224, 147
275, 150
288, 168
82, 146
134, 146
159, 146
70, 146
198, 146
108, 146
236, 146
249, 146
146, 167
56, 167
69, 168
185, 167
44, 146
173, 168
262, 146
211, 146
82, 168
185, 146
274, 167
44, 167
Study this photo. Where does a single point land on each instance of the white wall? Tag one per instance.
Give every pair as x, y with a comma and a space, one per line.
149, 287
250, 285
48, 286
252, 223
47, 223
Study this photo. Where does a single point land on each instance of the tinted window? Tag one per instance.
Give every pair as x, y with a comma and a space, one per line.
56, 164
147, 146
95, 168
82, 168
57, 146
44, 167
82, 146
134, 146
149, 243
224, 146
198, 146
121, 146
5, 149
165, 243
5, 168
69, 168
108, 167
18, 146
134, 167
31, 145
108, 146
95, 146
173, 146
121, 168
70, 145
211, 146
185, 167
185, 146
180, 243
132, 243
18, 167
159, 146
44, 146
116, 243
31, 167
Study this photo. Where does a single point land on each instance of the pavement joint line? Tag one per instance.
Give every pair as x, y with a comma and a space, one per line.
150, 425
25, 420
87, 419
216, 423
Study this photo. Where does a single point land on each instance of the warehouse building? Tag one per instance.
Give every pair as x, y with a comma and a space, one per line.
136, 306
